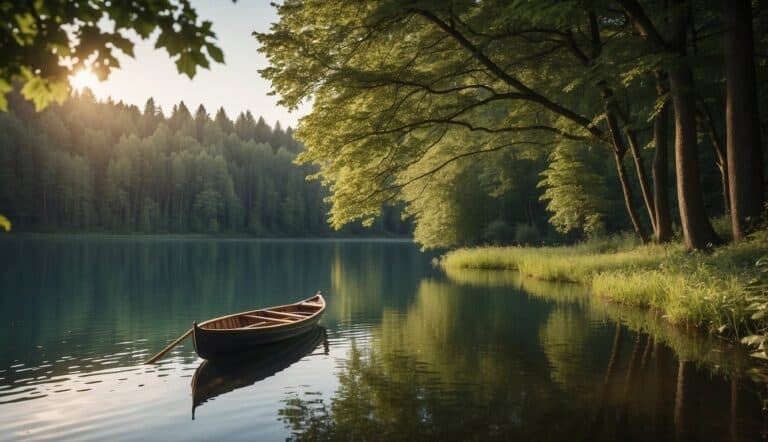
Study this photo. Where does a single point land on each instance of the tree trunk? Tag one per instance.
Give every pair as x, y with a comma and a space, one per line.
721, 159
745, 157
612, 109
619, 149
627, 191
697, 230
642, 176
660, 165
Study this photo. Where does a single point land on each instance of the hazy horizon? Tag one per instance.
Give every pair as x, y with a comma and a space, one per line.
152, 74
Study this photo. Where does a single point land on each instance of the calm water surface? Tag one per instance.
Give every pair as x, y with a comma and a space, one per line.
405, 352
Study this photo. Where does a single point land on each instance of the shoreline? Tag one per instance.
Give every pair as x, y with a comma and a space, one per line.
700, 290
202, 236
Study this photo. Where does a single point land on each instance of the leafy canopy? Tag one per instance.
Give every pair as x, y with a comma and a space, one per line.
408, 95
404, 89
45, 41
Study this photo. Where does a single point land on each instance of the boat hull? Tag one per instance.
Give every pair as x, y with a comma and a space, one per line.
213, 344
240, 332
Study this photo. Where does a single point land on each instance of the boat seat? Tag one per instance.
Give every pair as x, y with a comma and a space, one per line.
311, 304
290, 315
268, 319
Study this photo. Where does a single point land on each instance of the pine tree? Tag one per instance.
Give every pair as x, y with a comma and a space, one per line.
245, 126
201, 118
180, 117
110, 166
277, 139
150, 118
263, 132
223, 121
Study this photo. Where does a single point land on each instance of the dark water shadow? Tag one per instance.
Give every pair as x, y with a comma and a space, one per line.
216, 377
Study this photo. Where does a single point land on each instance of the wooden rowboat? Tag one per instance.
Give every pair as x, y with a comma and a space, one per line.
229, 334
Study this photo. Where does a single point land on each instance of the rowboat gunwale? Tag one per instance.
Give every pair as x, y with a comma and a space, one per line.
319, 311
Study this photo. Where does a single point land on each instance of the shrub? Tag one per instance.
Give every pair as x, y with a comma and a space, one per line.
498, 232
526, 234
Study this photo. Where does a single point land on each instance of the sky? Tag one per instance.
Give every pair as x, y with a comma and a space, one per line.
236, 85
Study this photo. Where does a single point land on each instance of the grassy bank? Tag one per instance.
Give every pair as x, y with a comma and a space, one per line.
695, 289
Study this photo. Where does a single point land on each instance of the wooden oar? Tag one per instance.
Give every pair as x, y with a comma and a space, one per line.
162, 353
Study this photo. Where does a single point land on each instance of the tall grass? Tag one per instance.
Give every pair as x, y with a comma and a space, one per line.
692, 288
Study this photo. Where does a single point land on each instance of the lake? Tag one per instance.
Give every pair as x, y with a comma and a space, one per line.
404, 352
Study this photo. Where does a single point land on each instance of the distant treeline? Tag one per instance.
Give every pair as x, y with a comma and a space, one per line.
87, 165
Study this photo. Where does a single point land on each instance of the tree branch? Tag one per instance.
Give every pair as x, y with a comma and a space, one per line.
439, 167
644, 25
529, 94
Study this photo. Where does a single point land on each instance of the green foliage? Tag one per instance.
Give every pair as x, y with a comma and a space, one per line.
463, 202
498, 232
409, 98
5, 223
45, 41
722, 290
757, 295
575, 194
88, 165
401, 105
526, 234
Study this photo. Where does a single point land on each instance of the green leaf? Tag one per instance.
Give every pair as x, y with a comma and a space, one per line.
186, 64
215, 52
123, 44
5, 87
5, 223
43, 91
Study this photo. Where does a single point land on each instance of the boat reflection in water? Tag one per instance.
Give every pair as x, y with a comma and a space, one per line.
216, 377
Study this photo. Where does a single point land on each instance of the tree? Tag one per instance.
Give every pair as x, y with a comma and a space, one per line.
150, 118
405, 90
744, 147
245, 126
39, 37
117, 193
223, 121
201, 118
697, 230
292, 145
660, 166
89, 164
445, 85
575, 195
180, 117
263, 132
277, 139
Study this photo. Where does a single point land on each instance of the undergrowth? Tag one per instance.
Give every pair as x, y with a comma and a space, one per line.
698, 289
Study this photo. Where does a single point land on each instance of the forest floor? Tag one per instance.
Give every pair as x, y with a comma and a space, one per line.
706, 290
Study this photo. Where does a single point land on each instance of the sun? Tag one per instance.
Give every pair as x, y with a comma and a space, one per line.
82, 79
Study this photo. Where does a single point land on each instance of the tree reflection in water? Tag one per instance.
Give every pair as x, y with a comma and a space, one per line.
546, 368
